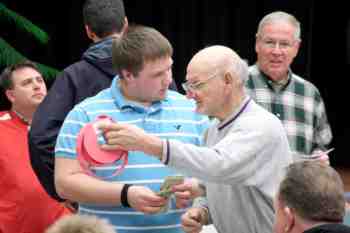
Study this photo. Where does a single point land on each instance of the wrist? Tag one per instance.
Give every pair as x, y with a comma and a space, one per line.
153, 146
124, 195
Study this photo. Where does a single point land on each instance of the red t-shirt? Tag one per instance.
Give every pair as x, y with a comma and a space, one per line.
24, 205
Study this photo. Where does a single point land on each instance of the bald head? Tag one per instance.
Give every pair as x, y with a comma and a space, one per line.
219, 59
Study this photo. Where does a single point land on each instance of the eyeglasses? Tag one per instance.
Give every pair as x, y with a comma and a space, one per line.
283, 44
191, 87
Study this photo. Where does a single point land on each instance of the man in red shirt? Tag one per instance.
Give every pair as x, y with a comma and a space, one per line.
24, 205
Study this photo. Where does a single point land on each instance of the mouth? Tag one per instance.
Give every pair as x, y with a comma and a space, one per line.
39, 95
198, 103
276, 63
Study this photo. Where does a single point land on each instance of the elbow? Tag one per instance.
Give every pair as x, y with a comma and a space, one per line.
61, 189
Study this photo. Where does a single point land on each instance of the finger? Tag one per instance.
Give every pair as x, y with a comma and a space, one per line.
183, 195
108, 126
324, 157
152, 209
195, 216
181, 187
182, 203
154, 200
189, 225
191, 229
104, 125
111, 147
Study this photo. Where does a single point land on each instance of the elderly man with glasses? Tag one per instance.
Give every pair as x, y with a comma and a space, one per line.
295, 101
245, 153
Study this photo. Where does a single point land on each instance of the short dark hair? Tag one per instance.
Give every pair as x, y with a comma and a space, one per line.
138, 45
104, 17
314, 191
7, 75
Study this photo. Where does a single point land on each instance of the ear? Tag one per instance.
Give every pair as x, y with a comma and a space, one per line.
228, 79
127, 75
256, 44
290, 218
126, 25
10, 95
296, 48
92, 36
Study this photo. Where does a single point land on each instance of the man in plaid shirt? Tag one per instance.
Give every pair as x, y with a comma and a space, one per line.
295, 101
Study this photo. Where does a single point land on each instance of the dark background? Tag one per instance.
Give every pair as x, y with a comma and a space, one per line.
190, 25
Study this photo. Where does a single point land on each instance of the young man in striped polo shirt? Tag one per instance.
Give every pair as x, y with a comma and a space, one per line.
140, 96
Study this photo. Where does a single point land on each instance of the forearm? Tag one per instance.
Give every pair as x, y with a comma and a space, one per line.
73, 184
83, 188
152, 145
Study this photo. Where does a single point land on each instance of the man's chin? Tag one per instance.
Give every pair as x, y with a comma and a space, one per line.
200, 110
37, 102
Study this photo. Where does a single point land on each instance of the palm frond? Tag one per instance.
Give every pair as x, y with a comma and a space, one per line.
9, 56
10, 17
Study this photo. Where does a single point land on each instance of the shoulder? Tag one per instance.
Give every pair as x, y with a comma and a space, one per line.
305, 83
77, 66
83, 71
5, 116
258, 118
253, 70
93, 101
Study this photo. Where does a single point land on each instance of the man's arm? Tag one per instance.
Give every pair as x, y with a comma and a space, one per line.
235, 158
322, 130
73, 184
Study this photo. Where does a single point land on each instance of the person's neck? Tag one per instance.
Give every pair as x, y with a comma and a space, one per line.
125, 90
231, 106
302, 225
24, 115
98, 39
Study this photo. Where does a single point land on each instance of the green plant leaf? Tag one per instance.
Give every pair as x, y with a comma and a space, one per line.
10, 17
9, 56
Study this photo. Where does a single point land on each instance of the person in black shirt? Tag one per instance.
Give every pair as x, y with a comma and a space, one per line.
310, 200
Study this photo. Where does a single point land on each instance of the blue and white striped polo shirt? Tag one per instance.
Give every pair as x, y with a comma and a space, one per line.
172, 118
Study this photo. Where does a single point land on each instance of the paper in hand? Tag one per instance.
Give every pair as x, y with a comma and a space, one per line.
165, 189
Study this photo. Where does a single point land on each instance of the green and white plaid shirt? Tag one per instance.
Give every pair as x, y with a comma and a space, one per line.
299, 105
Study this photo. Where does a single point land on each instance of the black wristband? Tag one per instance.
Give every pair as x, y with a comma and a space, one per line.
124, 195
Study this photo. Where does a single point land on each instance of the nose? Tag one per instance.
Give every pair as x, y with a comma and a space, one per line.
190, 94
277, 49
169, 78
36, 85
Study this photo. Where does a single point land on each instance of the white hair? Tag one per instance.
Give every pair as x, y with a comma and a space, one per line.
280, 16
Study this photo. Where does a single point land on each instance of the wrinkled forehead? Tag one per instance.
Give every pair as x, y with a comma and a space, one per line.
24, 73
278, 29
199, 70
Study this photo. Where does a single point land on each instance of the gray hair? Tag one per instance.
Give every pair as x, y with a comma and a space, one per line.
239, 67
280, 16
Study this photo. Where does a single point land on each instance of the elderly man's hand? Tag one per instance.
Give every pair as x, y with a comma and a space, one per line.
187, 191
193, 220
321, 156
122, 136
